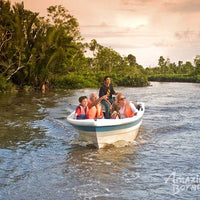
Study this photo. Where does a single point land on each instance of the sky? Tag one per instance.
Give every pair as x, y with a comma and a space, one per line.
146, 29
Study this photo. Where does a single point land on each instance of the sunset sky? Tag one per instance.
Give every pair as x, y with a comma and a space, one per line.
147, 29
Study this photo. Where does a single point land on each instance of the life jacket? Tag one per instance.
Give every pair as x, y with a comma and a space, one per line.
83, 113
128, 111
94, 112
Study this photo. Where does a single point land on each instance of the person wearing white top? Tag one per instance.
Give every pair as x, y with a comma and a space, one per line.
121, 99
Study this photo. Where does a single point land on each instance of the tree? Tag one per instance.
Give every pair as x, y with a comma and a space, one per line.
14, 25
164, 64
33, 48
197, 64
161, 61
60, 17
187, 68
172, 68
131, 60
107, 59
93, 46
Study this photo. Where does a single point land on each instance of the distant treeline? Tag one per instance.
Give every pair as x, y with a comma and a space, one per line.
167, 71
39, 52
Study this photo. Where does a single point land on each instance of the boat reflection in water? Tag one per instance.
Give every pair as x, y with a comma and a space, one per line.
103, 132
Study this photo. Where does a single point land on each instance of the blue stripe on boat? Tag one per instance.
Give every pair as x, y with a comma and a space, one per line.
106, 128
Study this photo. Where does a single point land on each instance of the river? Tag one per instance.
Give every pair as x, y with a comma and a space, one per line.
42, 158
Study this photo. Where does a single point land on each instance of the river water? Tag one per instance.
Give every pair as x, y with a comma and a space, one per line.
41, 157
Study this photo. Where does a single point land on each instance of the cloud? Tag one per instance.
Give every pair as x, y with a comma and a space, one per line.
164, 43
98, 26
186, 7
124, 33
187, 35
137, 2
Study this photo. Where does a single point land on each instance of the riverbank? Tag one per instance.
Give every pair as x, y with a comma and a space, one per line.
78, 80
175, 78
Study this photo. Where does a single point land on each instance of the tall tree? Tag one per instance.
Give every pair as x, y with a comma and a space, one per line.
93, 45
131, 60
60, 17
108, 60
197, 64
32, 48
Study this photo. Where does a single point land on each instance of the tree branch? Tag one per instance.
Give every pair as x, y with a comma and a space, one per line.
18, 68
3, 36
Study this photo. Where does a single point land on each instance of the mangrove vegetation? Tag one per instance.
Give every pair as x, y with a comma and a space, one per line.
182, 72
49, 52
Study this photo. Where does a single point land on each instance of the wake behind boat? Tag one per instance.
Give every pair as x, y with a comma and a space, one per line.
101, 132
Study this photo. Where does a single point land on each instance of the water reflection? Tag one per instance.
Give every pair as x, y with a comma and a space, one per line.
22, 115
15, 113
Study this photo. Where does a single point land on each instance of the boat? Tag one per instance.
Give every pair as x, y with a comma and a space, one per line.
103, 132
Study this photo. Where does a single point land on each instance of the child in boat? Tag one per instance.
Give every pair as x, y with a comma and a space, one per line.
115, 111
82, 109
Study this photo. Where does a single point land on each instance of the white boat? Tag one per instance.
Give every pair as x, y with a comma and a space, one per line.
101, 132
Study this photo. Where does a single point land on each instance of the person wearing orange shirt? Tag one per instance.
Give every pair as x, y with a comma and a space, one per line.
95, 110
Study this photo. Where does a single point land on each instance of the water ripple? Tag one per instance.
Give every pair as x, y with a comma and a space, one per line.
42, 158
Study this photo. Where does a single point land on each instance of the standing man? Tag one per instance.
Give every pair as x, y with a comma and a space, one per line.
107, 89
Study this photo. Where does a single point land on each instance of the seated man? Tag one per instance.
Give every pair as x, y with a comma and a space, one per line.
95, 111
107, 89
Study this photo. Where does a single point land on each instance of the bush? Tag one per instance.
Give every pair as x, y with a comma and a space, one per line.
75, 80
6, 85
173, 78
131, 81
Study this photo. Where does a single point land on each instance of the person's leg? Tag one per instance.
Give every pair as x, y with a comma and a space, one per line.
107, 109
111, 101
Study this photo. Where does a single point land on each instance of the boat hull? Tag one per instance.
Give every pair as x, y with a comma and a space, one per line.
102, 136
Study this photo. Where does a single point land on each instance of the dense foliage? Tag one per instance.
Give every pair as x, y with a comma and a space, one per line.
34, 49
167, 71
37, 51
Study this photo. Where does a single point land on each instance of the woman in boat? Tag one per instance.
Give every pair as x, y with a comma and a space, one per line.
115, 111
127, 109
82, 109
107, 89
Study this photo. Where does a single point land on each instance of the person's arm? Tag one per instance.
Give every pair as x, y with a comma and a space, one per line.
78, 111
98, 100
101, 115
134, 109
